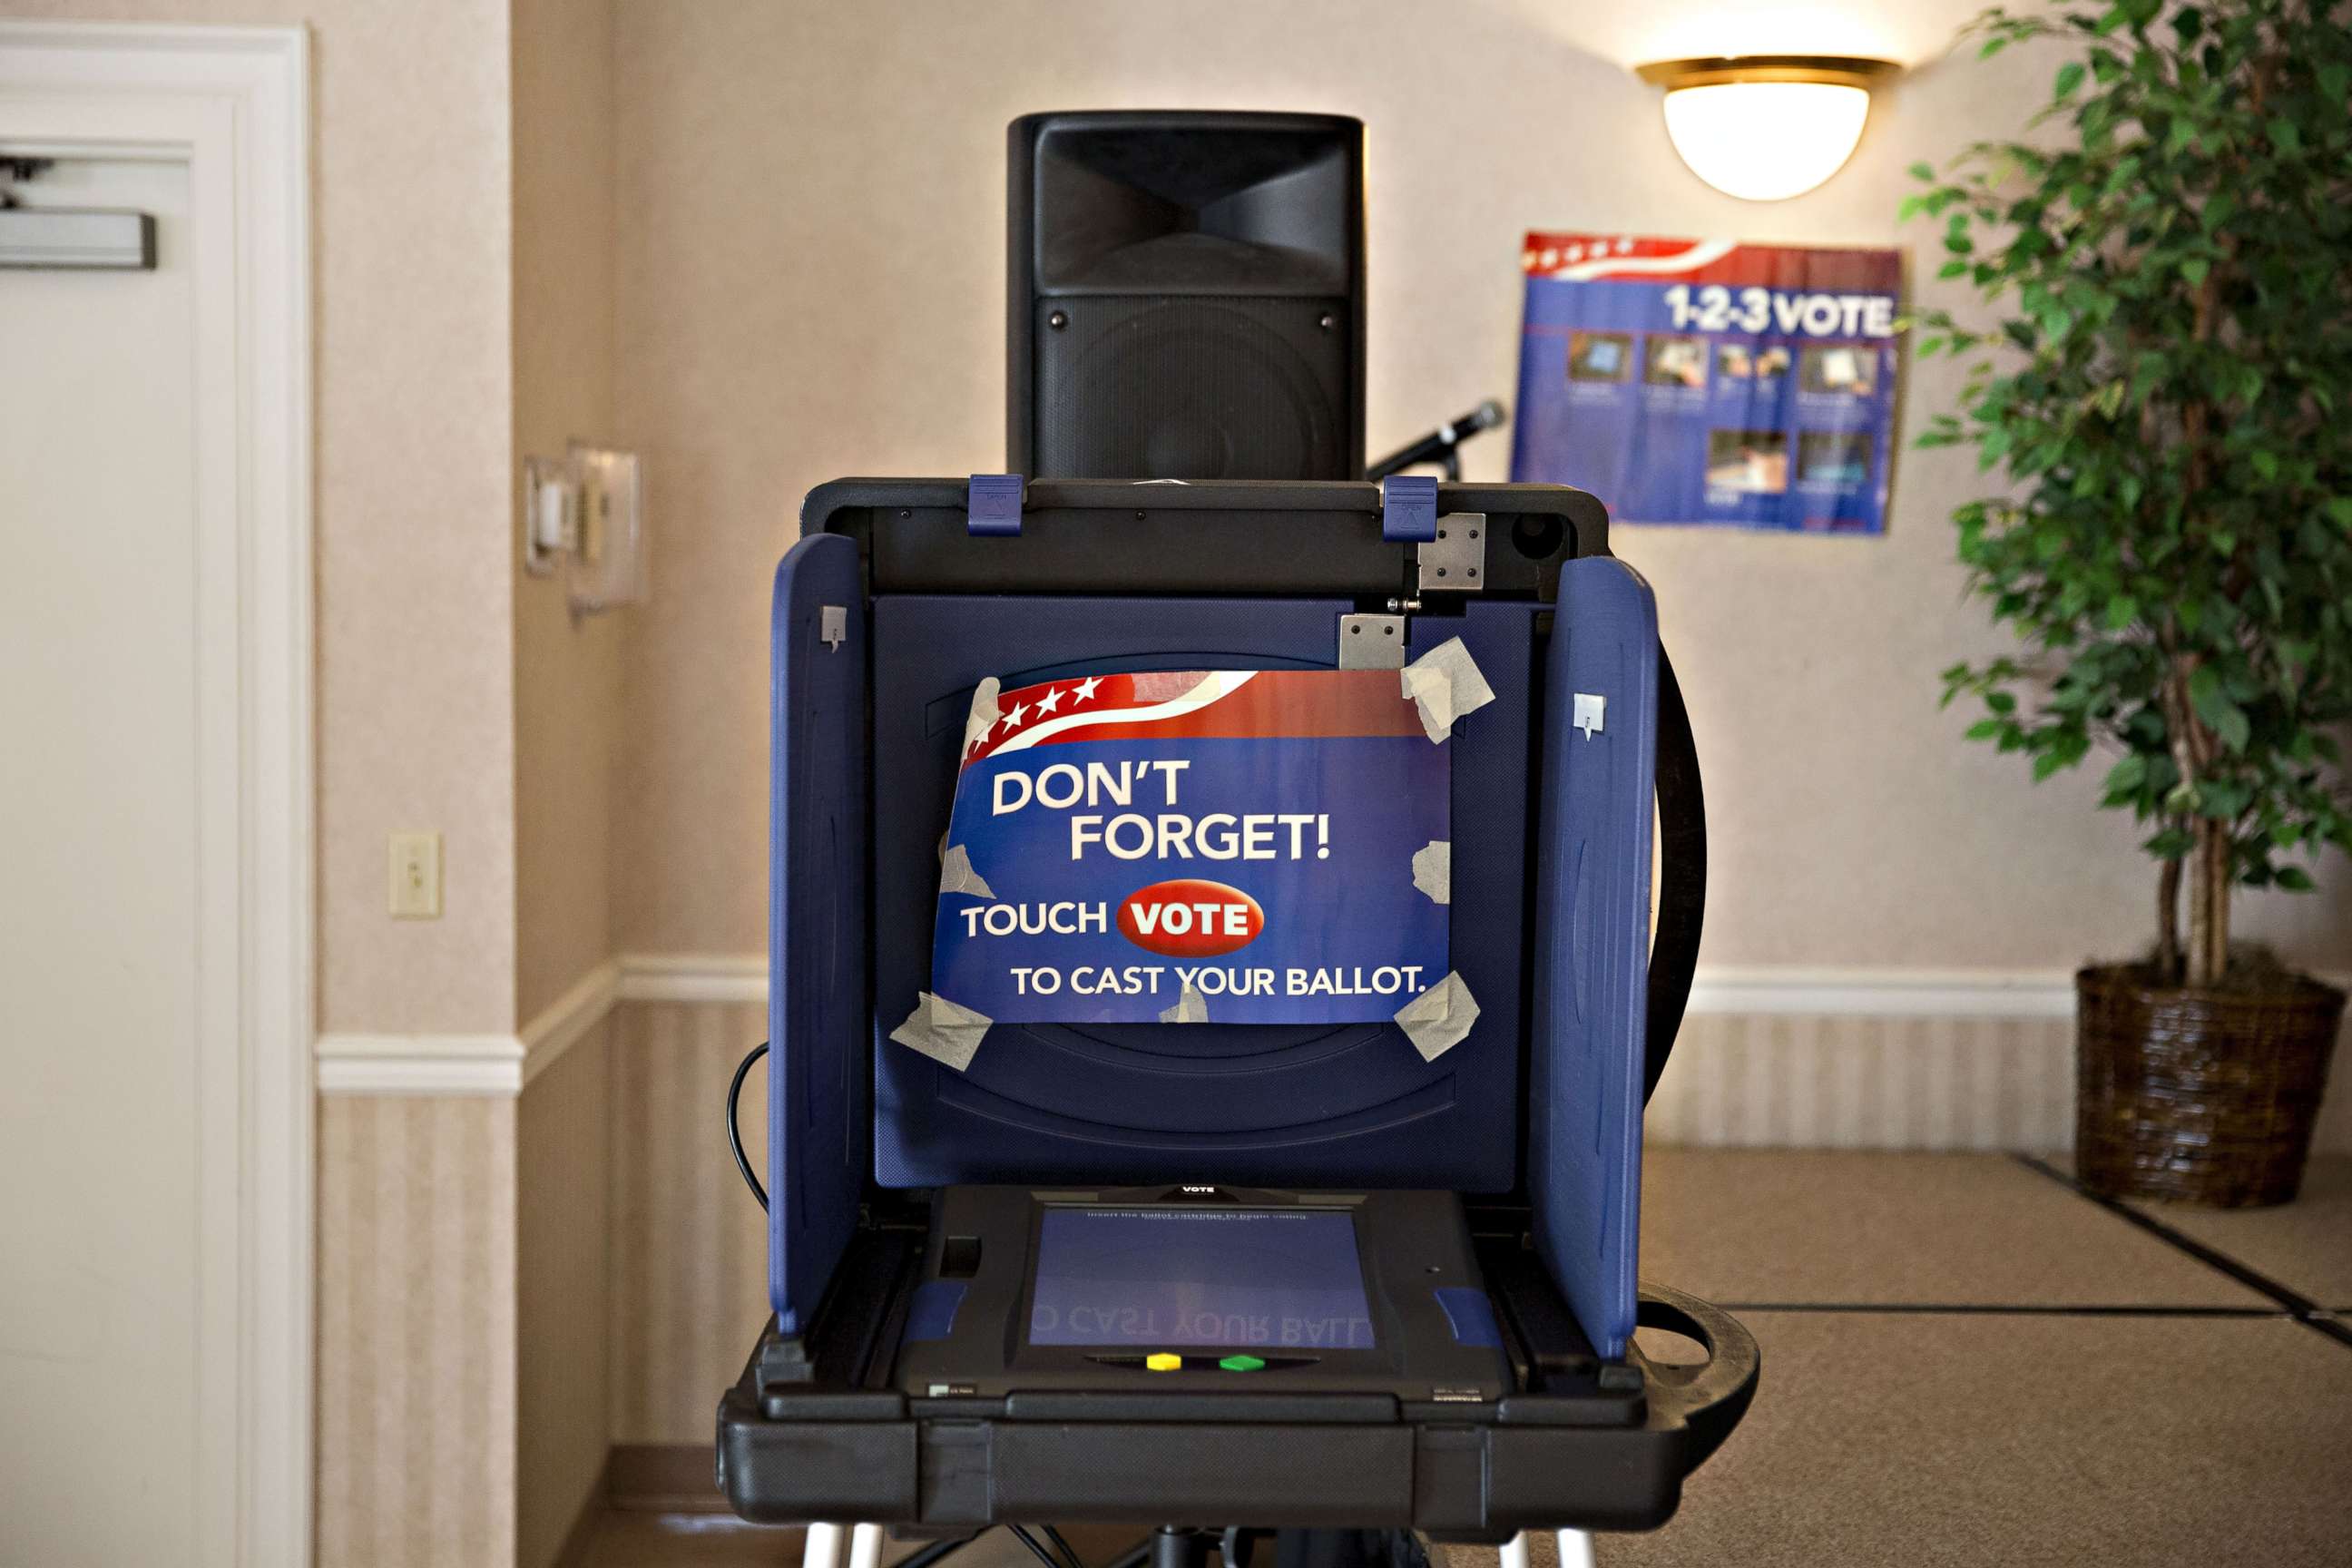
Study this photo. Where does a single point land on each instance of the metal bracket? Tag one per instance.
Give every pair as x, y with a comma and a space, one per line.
833, 626
1407, 509
1589, 714
993, 505
1371, 642
74, 240
1455, 561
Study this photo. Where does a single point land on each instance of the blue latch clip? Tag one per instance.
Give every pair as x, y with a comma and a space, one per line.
1409, 509
993, 505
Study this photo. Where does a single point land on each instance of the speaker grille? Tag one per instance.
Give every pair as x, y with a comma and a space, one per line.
1178, 388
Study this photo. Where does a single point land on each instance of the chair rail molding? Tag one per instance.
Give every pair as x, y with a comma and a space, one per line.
1775, 1057
1769, 1057
487, 1064
1768, 990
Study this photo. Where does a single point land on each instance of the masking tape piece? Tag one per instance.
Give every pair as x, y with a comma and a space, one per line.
1444, 684
1192, 1007
956, 875
984, 712
1433, 870
1436, 1020
940, 1029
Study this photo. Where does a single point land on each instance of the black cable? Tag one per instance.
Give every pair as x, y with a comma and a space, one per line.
937, 1550
1068, 1551
1021, 1533
735, 1132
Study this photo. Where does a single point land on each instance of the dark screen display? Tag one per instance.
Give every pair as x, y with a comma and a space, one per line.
1164, 1278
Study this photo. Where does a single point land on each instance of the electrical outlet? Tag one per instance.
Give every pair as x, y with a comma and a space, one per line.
416, 876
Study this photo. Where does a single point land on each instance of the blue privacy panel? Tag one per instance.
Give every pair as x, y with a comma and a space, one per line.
1273, 1105
1592, 942
817, 921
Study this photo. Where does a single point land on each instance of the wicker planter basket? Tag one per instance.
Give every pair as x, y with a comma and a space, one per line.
2203, 1097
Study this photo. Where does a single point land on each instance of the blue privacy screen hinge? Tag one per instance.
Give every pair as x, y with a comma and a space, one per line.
993, 505
1409, 509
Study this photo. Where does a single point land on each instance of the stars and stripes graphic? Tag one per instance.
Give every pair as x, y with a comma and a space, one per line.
1229, 704
1572, 256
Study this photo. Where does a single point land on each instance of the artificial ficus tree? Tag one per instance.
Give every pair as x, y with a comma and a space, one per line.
2164, 389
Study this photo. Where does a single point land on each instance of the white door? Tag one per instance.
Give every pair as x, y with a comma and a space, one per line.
154, 811
105, 907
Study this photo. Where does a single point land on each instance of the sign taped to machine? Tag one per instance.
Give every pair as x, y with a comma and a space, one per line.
1233, 846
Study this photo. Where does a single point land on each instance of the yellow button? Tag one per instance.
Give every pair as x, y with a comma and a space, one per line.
1163, 1361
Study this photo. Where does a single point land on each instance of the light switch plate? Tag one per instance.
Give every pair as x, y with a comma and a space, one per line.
416, 876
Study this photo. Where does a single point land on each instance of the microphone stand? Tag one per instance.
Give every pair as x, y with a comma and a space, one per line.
1441, 446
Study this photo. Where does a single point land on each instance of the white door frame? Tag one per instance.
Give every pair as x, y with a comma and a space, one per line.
232, 103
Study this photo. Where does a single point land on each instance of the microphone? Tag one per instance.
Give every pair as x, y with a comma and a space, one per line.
1438, 446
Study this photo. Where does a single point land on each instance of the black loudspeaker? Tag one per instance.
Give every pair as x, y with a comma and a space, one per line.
1187, 296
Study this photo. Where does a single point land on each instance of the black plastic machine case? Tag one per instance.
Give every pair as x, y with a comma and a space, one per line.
818, 1426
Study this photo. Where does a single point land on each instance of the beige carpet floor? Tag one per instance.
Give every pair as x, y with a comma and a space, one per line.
1966, 1361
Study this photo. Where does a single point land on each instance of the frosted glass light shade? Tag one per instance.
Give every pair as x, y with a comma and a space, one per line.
1767, 127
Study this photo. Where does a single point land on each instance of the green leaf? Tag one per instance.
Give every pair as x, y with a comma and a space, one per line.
2213, 704
1922, 171
2294, 878
2156, 381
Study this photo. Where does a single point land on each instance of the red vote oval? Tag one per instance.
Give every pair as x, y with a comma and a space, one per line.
1189, 917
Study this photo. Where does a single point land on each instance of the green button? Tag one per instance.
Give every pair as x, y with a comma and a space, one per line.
1242, 1364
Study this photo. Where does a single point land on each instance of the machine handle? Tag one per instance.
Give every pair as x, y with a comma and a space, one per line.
1682, 875
1708, 1399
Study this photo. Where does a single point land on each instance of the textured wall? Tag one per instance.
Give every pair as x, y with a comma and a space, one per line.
415, 1353
563, 1248
567, 670
689, 1246
811, 285
567, 723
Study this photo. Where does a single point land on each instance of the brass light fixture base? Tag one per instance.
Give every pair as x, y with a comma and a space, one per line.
1835, 70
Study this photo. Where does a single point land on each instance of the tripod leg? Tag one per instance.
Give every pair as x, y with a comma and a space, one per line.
865, 1546
1515, 1551
1575, 1549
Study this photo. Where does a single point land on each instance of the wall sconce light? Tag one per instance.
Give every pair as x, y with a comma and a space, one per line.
584, 512
1767, 127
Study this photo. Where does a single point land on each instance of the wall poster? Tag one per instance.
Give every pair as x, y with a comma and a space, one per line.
1711, 380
